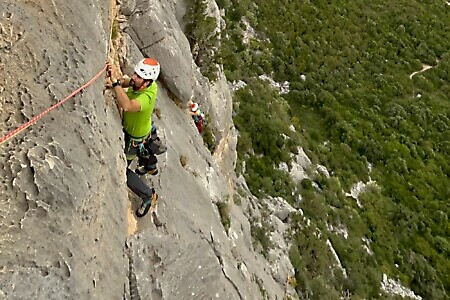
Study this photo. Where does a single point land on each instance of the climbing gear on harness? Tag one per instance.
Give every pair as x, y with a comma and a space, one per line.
142, 150
138, 147
147, 68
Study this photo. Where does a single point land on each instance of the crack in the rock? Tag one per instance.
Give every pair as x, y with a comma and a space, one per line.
134, 291
152, 44
220, 259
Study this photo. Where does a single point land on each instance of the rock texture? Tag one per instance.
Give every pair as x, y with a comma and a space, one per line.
63, 197
63, 221
156, 32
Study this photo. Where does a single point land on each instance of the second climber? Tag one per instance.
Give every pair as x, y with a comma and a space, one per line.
197, 115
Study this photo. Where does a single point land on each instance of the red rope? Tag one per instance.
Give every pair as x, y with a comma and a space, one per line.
35, 119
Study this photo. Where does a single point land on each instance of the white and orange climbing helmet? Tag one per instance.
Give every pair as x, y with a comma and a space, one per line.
148, 68
194, 107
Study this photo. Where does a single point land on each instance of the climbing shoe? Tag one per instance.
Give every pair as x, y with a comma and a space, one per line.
146, 204
142, 171
153, 171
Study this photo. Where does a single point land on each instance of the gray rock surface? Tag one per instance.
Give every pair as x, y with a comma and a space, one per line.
64, 230
127, 7
131, 55
63, 218
155, 30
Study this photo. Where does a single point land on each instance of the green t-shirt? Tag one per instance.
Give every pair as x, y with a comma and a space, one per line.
138, 124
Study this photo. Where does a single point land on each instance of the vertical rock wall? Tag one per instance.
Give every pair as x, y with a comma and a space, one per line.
62, 214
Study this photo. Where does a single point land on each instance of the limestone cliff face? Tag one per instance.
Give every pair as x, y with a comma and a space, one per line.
65, 226
62, 200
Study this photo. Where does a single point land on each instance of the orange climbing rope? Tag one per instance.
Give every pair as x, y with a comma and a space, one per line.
24, 126
35, 119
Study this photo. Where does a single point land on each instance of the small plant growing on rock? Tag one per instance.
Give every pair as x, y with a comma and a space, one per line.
261, 234
158, 113
208, 136
224, 212
114, 30
237, 199
262, 290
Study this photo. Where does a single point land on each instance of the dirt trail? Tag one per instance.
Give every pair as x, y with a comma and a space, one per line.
424, 68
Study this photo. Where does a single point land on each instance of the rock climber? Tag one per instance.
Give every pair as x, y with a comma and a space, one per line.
197, 115
137, 104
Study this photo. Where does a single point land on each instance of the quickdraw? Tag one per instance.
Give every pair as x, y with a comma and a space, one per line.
142, 149
140, 145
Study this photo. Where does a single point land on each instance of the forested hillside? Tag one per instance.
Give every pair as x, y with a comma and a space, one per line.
359, 110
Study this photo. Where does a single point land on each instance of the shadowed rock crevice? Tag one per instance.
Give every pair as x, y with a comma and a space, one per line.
132, 282
220, 259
